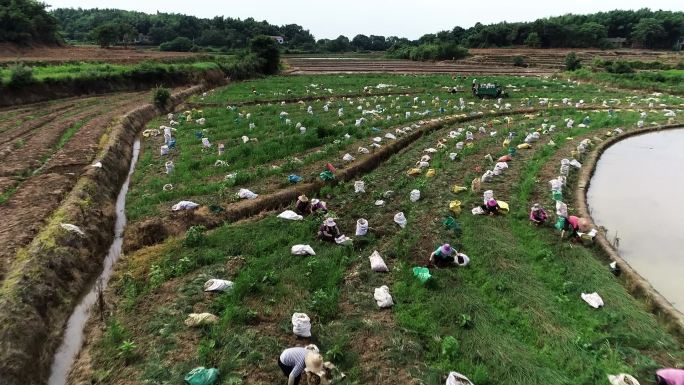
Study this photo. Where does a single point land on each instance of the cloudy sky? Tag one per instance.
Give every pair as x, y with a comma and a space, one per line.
404, 18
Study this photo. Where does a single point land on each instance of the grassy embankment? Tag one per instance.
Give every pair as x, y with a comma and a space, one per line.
669, 81
513, 316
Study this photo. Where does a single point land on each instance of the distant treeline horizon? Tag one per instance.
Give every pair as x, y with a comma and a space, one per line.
28, 22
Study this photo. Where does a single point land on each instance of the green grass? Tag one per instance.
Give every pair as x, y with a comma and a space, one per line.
93, 71
66, 135
513, 316
278, 144
670, 81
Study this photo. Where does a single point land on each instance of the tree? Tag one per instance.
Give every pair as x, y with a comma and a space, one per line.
266, 49
26, 21
106, 34
648, 32
340, 44
533, 40
362, 42
179, 44
572, 62
590, 34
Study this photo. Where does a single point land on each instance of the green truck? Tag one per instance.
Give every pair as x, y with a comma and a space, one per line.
488, 91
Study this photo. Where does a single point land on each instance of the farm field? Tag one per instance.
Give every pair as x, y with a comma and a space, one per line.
513, 315
11, 53
489, 61
44, 149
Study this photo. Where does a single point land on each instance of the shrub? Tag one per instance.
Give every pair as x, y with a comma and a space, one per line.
195, 236
160, 98
266, 49
620, 67
20, 76
519, 61
572, 62
179, 44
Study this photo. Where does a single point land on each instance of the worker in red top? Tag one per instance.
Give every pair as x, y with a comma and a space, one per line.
572, 224
670, 376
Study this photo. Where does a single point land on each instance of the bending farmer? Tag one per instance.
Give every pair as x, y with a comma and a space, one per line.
446, 255
670, 376
537, 215
303, 207
292, 362
328, 231
491, 208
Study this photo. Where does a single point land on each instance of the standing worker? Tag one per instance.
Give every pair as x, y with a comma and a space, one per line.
292, 362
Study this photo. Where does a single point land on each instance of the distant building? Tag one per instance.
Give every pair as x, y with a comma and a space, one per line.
279, 39
617, 42
142, 39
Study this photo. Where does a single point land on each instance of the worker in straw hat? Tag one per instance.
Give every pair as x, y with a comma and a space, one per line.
293, 362
329, 230
319, 205
537, 215
314, 370
303, 206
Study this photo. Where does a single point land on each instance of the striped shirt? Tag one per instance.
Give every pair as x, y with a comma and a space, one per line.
294, 357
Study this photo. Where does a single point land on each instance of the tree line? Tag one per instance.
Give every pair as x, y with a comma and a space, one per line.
27, 21
641, 28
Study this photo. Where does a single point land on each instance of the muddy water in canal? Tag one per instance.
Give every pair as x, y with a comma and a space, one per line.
637, 193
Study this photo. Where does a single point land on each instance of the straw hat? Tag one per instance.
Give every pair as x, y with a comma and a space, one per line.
314, 364
536, 207
330, 222
314, 201
303, 198
312, 347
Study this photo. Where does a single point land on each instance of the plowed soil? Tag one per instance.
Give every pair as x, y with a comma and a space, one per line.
10, 53
491, 61
42, 159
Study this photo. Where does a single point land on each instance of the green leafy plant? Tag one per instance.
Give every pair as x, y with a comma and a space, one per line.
126, 350
21, 76
195, 236
161, 97
572, 62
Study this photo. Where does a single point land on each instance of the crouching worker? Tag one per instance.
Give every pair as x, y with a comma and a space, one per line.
328, 230
572, 224
303, 206
292, 362
446, 255
670, 377
537, 215
318, 205
491, 207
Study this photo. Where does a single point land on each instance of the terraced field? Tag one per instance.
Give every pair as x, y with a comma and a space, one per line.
44, 148
513, 315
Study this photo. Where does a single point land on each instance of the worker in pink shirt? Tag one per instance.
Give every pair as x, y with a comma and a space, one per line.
670, 376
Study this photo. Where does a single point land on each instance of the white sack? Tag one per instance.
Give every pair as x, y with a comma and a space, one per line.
383, 297
301, 325
290, 215
302, 250
377, 264
184, 205
594, 300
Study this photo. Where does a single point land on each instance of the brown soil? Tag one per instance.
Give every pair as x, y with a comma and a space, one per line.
325, 66
10, 53
44, 191
490, 61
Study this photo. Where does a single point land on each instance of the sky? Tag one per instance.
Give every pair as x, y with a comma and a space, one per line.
403, 18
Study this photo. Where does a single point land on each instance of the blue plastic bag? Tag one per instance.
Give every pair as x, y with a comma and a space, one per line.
294, 178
